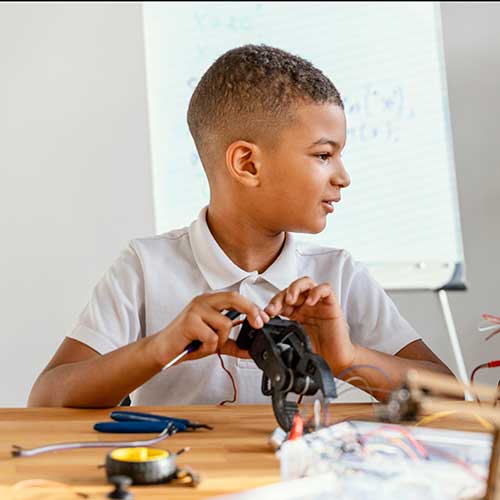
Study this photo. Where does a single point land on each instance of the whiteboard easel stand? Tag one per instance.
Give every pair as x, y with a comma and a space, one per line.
455, 344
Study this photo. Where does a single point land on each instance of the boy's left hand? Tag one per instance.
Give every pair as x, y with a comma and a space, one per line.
316, 308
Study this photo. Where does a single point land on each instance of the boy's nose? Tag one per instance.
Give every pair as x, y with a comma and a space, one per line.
340, 177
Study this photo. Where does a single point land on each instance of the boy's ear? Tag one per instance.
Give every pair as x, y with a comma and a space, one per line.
243, 162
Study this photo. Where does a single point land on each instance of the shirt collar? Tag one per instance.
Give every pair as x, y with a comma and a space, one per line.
221, 272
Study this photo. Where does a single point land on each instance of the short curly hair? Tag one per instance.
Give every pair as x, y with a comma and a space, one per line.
250, 93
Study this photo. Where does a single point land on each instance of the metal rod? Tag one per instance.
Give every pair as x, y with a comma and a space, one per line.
170, 363
18, 451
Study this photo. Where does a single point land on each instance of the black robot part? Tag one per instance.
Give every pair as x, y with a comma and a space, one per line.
282, 350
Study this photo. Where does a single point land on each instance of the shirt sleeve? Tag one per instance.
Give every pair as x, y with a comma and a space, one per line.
373, 318
114, 316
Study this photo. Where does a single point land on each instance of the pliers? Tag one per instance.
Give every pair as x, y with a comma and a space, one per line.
135, 422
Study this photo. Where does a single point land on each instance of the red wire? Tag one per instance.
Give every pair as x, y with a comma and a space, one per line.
458, 461
383, 429
235, 390
297, 427
489, 364
491, 317
419, 446
492, 334
479, 367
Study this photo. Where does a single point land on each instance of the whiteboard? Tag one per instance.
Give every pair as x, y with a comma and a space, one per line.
400, 215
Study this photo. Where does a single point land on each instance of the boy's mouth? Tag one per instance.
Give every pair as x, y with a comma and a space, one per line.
328, 205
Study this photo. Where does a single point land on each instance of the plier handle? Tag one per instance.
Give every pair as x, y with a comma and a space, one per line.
136, 422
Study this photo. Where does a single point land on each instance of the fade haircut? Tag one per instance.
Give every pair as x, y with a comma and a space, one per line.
250, 93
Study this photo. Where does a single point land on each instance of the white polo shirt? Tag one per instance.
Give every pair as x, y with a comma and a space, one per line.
156, 277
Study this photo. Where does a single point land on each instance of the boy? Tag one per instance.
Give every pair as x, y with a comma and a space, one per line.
269, 128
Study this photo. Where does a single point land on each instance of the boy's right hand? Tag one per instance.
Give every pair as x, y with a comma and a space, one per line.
202, 319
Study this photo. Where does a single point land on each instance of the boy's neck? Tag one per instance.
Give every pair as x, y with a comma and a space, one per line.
247, 245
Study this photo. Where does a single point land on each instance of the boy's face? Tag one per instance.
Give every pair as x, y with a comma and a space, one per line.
301, 177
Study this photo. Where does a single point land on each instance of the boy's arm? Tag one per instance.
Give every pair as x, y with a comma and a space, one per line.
415, 356
78, 376
317, 309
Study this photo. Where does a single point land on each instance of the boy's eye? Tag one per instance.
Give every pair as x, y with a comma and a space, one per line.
324, 156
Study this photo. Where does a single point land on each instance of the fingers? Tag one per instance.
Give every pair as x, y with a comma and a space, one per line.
297, 288
205, 322
288, 299
216, 331
319, 293
232, 349
277, 304
221, 324
209, 339
233, 300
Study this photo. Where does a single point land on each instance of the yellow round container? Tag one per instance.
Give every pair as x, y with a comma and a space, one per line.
142, 465
139, 454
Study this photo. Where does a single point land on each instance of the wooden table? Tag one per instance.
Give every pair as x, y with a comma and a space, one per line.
235, 456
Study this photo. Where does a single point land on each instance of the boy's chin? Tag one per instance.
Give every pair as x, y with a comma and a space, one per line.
312, 228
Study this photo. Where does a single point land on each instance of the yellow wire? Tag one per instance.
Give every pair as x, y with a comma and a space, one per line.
441, 414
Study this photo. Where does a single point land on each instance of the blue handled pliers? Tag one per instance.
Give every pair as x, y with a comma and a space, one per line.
135, 422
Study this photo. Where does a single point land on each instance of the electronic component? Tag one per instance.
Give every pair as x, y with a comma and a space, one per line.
282, 350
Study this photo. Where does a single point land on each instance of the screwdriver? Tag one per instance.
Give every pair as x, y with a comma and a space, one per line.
195, 344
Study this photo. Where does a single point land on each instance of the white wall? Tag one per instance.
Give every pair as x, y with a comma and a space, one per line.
74, 169
75, 182
472, 54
